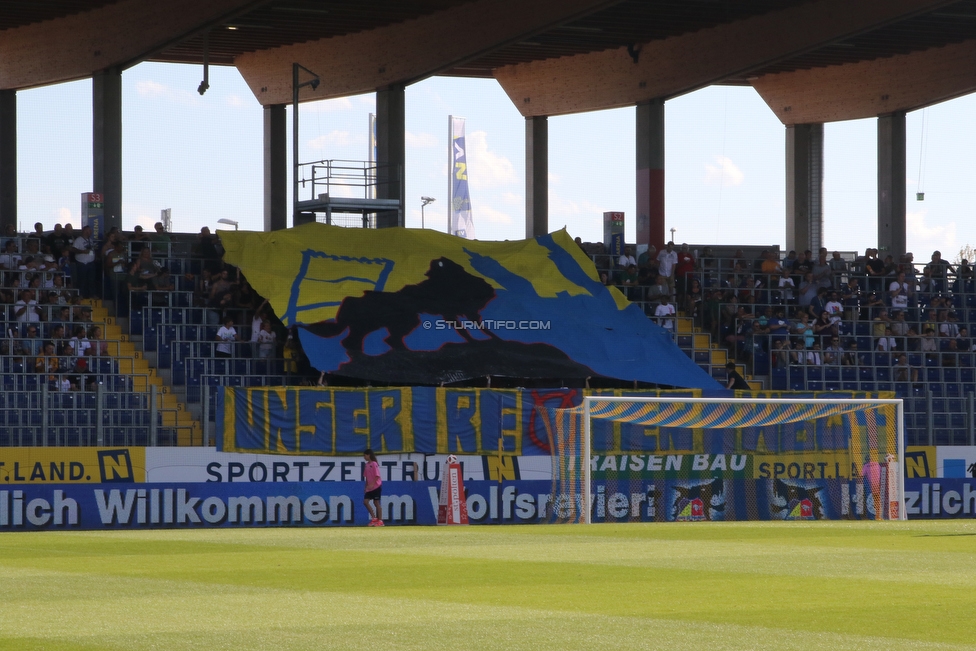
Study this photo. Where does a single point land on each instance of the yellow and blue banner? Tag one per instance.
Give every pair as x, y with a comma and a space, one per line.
459, 197
406, 306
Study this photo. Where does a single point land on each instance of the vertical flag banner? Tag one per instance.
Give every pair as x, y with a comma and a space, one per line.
372, 154
459, 199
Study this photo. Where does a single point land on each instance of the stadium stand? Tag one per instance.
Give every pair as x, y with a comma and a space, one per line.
155, 377
934, 373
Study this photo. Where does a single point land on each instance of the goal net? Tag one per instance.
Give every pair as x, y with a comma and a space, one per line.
669, 458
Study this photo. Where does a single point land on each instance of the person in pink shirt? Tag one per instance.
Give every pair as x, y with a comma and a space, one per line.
374, 489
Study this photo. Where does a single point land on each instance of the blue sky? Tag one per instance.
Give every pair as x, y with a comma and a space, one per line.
202, 157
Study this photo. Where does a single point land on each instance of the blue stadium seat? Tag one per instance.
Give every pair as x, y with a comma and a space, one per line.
760, 363
194, 370
778, 379
164, 354
135, 320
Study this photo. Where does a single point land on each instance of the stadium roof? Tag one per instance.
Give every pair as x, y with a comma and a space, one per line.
542, 51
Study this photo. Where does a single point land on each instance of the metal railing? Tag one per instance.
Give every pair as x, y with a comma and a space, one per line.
110, 412
347, 178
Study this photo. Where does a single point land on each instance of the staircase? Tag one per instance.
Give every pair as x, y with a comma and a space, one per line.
706, 352
132, 363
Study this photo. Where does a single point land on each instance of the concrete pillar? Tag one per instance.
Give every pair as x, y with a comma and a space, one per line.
107, 143
804, 187
390, 150
8, 158
536, 176
275, 168
650, 174
891, 185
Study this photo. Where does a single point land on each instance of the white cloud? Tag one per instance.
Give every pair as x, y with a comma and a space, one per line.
333, 139
593, 209
562, 207
64, 217
328, 106
513, 199
555, 179
344, 191
490, 215
150, 89
423, 140
486, 169
930, 237
235, 100
155, 90
724, 172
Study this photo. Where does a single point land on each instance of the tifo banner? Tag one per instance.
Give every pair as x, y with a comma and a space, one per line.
428, 420
459, 198
411, 306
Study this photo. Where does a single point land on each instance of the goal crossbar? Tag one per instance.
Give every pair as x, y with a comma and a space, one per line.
897, 403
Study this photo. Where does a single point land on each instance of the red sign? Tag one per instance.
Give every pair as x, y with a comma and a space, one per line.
806, 509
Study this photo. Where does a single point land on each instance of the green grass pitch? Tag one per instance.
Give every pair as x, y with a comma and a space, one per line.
836, 585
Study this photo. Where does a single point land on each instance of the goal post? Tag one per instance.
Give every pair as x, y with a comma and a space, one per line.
665, 458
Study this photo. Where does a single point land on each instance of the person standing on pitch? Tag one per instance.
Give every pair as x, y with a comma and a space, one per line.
374, 489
